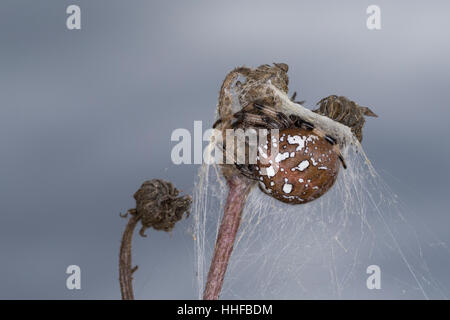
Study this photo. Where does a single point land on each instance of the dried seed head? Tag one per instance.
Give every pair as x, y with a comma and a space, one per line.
345, 111
248, 85
158, 205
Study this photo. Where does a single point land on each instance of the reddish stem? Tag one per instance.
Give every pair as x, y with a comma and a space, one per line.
125, 268
237, 196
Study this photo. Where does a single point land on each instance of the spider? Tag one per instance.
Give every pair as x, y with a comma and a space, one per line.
282, 174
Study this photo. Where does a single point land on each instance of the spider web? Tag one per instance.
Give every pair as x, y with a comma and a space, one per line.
318, 250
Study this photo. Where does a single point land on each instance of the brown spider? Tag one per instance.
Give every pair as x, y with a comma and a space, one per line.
283, 178
257, 115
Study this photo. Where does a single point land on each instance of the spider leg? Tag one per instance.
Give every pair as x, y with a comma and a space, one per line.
255, 120
294, 95
295, 101
300, 123
330, 139
218, 121
272, 113
247, 170
341, 158
333, 142
264, 109
307, 125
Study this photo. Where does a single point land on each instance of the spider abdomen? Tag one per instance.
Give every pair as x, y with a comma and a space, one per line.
298, 166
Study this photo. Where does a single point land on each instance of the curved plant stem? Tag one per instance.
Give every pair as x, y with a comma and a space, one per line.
125, 268
237, 196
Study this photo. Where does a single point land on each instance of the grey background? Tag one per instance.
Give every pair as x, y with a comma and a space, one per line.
86, 116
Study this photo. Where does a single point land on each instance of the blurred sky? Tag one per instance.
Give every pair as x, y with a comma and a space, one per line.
86, 117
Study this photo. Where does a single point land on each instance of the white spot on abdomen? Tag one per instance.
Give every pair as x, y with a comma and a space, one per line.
270, 171
287, 188
281, 156
301, 166
296, 140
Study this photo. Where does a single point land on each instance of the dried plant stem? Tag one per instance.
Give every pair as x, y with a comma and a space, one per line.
158, 206
125, 268
237, 196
